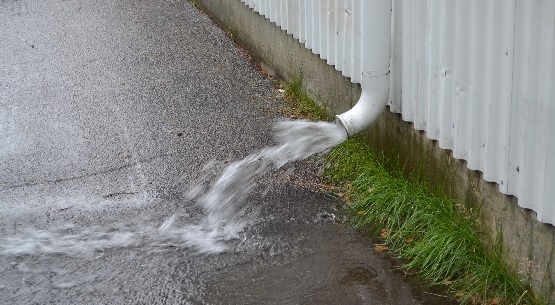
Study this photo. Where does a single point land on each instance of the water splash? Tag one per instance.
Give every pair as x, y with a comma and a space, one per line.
223, 202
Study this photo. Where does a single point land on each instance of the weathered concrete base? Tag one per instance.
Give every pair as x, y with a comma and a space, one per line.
527, 242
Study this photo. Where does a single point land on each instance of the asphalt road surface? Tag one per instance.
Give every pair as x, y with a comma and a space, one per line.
109, 109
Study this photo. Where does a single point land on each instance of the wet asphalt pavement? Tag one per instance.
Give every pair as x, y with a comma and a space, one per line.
108, 111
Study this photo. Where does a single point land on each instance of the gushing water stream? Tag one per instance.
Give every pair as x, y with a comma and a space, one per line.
223, 202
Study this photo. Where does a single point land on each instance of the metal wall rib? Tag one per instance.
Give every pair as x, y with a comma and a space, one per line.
478, 76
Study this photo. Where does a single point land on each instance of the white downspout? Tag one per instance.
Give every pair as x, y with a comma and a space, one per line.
375, 53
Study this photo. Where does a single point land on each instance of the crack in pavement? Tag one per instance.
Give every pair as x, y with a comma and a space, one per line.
73, 178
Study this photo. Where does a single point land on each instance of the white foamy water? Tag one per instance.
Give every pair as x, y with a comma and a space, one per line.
223, 203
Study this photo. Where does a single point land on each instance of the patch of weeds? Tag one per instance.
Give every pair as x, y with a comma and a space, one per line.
437, 239
300, 104
232, 35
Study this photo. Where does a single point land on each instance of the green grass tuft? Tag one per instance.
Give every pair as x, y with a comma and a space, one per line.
300, 104
435, 237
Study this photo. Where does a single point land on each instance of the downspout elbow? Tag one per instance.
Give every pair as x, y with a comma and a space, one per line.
374, 96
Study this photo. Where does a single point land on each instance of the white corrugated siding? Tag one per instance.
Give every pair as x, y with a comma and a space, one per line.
478, 76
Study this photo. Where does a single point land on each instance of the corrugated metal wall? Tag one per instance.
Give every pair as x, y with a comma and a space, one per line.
478, 76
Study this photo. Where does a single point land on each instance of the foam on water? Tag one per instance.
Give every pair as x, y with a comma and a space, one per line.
223, 202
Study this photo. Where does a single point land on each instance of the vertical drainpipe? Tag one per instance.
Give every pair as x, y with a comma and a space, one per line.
376, 50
